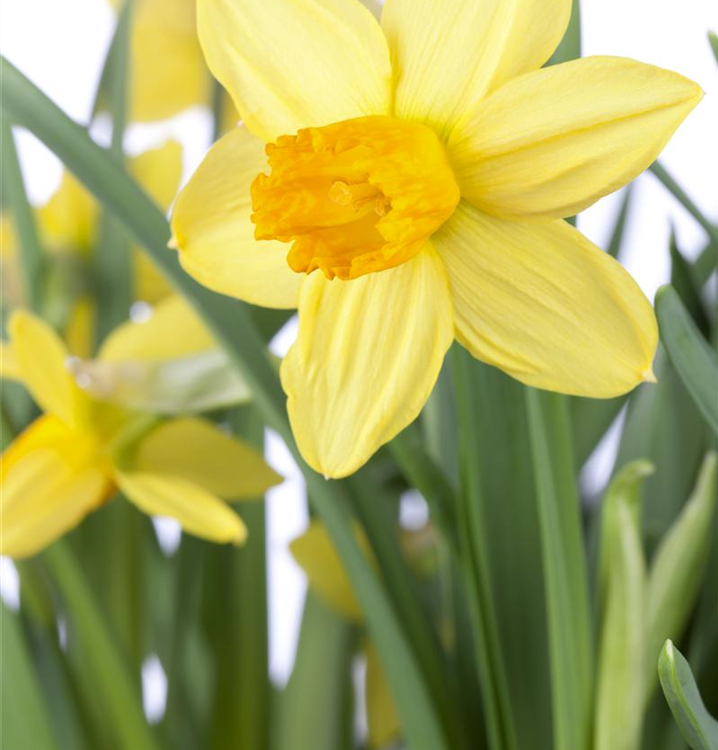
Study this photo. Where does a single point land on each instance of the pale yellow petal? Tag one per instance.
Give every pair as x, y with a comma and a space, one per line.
449, 54
290, 64
159, 170
316, 555
168, 73
382, 719
367, 357
41, 358
199, 512
49, 483
542, 303
204, 455
553, 142
150, 283
80, 328
215, 237
9, 368
68, 221
174, 330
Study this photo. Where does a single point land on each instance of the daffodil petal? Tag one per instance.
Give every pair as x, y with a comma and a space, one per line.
204, 455
316, 555
68, 221
215, 237
173, 331
552, 142
449, 54
41, 358
49, 485
199, 512
9, 368
542, 303
290, 64
367, 357
167, 70
159, 171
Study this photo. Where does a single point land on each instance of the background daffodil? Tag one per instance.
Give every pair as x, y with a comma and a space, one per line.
497, 268
81, 451
69, 227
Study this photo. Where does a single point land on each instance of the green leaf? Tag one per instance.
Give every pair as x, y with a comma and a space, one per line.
680, 195
689, 352
684, 282
698, 727
315, 710
232, 324
564, 568
570, 46
615, 243
713, 41
25, 721
94, 646
29, 251
622, 572
113, 267
677, 569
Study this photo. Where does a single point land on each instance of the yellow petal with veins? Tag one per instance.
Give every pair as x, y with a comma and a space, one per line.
197, 451
448, 54
199, 512
551, 143
542, 303
290, 64
215, 237
367, 357
174, 330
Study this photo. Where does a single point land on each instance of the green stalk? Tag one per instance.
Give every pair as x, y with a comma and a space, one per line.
473, 562
26, 722
315, 708
112, 261
231, 323
105, 666
565, 575
680, 195
30, 252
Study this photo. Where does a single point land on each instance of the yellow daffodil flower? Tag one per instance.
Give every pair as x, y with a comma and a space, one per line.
412, 191
81, 452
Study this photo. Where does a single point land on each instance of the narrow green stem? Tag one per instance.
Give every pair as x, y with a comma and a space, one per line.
680, 195
30, 250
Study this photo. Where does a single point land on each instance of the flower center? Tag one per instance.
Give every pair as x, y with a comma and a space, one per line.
354, 197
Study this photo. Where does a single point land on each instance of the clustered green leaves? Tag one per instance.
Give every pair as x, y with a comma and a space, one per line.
540, 617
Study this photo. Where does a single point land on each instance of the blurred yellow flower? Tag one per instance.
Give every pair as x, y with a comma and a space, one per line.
68, 225
427, 163
81, 451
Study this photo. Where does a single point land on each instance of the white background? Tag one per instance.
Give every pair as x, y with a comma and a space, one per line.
60, 45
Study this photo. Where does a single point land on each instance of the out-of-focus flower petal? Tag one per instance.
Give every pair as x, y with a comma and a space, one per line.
173, 331
197, 451
199, 512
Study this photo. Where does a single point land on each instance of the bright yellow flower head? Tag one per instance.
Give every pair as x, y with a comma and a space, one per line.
80, 452
413, 191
